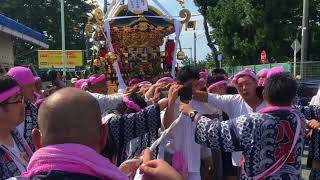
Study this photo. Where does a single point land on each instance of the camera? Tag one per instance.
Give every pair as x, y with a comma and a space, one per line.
185, 94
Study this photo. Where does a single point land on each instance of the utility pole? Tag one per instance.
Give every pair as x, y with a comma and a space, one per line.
63, 44
105, 7
190, 52
304, 37
87, 49
195, 47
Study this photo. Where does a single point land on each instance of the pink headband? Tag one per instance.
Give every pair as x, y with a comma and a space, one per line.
145, 84
84, 85
130, 104
263, 72
37, 78
7, 94
217, 84
274, 71
96, 80
134, 81
204, 74
245, 72
165, 80
81, 83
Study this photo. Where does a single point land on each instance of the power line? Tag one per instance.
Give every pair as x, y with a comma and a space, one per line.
191, 15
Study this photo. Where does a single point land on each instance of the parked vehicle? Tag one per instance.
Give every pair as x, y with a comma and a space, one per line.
307, 89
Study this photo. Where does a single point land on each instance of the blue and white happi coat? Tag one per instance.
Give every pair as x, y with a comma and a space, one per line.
8, 166
313, 112
263, 138
30, 123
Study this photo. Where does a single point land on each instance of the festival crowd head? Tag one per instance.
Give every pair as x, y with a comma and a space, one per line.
275, 70
81, 84
201, 85
165, 80
131, 104
98, 84
246, 84
26, 80
280, 89
262, 75
135, 81
38, 84
217, 85
188, 76
60, 113
220, 72
11, 103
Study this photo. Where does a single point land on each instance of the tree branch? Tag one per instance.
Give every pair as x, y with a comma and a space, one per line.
211, 43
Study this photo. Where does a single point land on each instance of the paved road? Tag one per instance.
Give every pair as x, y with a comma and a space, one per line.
305, 171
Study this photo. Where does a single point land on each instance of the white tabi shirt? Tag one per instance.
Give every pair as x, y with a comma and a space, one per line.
234, 106
182, 138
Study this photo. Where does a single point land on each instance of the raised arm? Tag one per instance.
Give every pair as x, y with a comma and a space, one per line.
221, 135
222, 102
108, 102
226, 103
172, 97
123, 128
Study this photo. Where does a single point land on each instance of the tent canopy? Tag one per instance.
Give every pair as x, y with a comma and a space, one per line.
16, 29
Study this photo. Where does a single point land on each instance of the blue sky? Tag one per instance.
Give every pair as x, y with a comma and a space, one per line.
186, 36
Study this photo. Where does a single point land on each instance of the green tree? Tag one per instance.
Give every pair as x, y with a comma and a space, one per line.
187, 62
314, 31
243, 28
203, 9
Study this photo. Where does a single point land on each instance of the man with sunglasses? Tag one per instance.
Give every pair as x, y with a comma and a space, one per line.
26, 81
14, 150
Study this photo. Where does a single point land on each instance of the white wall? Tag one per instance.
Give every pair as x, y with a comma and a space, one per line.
6, 51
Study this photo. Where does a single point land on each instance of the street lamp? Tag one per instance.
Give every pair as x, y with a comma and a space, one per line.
304, 37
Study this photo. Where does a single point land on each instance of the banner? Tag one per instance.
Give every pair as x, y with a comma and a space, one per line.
53, 59
137, 5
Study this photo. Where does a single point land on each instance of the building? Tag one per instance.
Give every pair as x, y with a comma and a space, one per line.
11, 30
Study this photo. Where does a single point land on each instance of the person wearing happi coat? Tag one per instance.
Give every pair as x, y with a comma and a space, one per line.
271, 139
179, 148
68, 153
26, 81
223, 167
15, 152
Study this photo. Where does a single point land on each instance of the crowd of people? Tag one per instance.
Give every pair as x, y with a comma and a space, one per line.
200, 125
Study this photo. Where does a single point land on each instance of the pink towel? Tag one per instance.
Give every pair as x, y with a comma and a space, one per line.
179, 163
72, 158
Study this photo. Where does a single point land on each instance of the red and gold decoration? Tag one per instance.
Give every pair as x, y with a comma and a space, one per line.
136, 41
169, 53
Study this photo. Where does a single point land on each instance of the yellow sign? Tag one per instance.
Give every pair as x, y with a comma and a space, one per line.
53, 59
